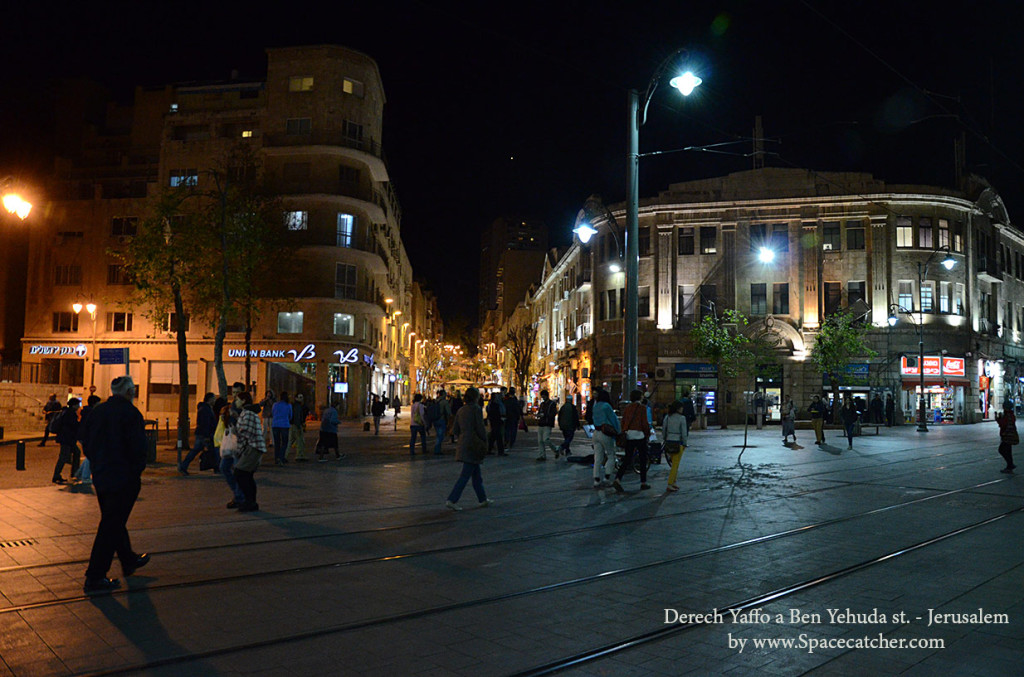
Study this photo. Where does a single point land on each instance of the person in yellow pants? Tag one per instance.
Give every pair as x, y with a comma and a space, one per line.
675, 430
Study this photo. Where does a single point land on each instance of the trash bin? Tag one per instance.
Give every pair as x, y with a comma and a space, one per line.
152, 431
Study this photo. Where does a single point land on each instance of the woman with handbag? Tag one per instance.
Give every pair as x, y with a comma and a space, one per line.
225, 440
1007, 435
471, 450
606, 431
251, 447
637, 430
674, 429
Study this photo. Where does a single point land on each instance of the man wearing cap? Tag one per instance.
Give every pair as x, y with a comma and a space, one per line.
114, 438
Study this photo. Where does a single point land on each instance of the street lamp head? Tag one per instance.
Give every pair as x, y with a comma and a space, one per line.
893, 320
766, 255
949, 262
615, 268
17, 205
584, 231
685, 83
77, 307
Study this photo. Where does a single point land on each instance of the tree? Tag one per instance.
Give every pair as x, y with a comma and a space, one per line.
165, 259
842, 337
521, 342
721, 342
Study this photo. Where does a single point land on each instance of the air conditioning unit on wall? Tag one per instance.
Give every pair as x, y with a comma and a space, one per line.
662, 374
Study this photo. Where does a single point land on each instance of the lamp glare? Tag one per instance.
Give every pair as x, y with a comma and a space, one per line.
685, 83
948, 263
893, 320
766, 255
584, 232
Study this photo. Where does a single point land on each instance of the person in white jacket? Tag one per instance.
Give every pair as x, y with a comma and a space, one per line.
673, 428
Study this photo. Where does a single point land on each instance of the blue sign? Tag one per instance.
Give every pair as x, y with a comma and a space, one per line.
700, 369
113, 356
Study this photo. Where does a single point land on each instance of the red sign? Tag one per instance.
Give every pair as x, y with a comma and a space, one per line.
934, 366
983, 382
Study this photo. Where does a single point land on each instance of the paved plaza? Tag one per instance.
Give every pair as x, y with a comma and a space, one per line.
902, 556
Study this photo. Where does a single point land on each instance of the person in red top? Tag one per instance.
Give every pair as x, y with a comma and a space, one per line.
1007, 435
638, 431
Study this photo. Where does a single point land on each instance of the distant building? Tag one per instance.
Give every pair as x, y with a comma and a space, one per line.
511, 251
841, 241
336, 316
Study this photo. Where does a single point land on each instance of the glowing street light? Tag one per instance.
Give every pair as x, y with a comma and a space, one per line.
17, 205
584, 231
685, 83
766, 255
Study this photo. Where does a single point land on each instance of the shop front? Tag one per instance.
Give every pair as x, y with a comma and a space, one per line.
767, 396
945, 386
700, 379
853, 381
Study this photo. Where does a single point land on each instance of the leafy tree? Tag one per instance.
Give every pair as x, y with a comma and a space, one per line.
521, 341
842, 337
721, 342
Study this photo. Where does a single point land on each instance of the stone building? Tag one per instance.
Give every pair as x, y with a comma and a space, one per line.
840, 240
335, 320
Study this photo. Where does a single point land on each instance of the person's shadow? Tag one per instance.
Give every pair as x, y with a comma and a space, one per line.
134, 615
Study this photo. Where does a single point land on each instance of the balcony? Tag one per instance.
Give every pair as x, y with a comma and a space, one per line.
325, 138
988, 269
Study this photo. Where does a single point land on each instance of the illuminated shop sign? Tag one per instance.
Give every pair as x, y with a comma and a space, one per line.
934, 366
78, 351
307, 352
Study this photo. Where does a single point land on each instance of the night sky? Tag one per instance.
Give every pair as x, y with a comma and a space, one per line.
520, 108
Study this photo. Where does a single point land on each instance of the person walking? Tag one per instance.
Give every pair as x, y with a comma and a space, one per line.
84, 474
606, 429
225, 440
513, 415
470, 450
849, 415
328, 433
251, 447
875, 408
281, 423
114, 437
688, 411
376, 410
206, 426
396, 404
1008, 435
456, 405
788, 420
817, 410
546, 414
443, 415
890, 411
674, 429
50, 411
496, 423
418, 424
266, 408
638, 430
65, 428
297, 429
568, 422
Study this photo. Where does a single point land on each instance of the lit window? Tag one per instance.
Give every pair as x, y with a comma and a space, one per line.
174, 108
296, 220
924, 232
346, 229
926, 297
246, 133
830, 239
344, 324
944, 297
300, 83
184, 177
708, 240
289, 323
904, 232
943, 233
906, 295
353, 87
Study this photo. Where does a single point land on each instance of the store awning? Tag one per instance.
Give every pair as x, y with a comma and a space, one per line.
911, 382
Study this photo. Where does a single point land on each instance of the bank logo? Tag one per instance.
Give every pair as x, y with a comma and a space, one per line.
309, 352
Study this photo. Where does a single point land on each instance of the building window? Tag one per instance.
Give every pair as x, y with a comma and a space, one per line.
686, 306
758, 236
944, 233
944, 297
644, 302
904, 231
833, 297
124, 226
611, 305
924, 233
958, 299
854, 235
708, 240
759, 299
300, 83
353, 87
686, 241
65, 322
780, 237
644, 241
296, 220
298, 126
348, 177
68, 275
780, 299
246, 133
289, 323
906, 295
352, 131
830, 240
708, 300
116, 274
346, 229
344, 324
184, 177
119, 321
344, 281
170, 322
855, 292
927, 297
958, 237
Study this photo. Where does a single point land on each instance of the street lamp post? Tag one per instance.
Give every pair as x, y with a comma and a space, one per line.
91, 309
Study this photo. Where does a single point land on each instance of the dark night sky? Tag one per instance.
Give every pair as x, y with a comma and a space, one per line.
521, 108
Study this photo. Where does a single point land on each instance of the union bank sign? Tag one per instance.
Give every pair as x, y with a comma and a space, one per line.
306, 353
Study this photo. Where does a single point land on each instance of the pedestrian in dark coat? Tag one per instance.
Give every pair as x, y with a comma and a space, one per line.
496, 421
890, 411
513, 412
65, 426
50, 411
568, 421
470, 450
849, 415
206, 425
114, 438
1008, 435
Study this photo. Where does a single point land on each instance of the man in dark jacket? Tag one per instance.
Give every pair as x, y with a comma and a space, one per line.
496, 423
65, 427
206, 425
513, 412
50, 411
377, 410
114, 437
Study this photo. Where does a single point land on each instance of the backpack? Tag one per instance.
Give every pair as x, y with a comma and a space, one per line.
433, 413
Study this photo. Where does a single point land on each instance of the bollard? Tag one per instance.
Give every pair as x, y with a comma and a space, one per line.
19, 458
